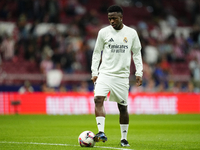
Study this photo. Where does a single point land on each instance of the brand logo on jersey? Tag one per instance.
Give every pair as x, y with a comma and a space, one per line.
111, 40
125, 40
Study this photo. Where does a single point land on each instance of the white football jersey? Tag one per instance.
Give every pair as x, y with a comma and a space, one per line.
115, 46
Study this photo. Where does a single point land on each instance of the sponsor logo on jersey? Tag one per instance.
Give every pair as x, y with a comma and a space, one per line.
125, 40
117, 48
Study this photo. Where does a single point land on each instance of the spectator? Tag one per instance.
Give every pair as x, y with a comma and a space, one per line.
160, 75
136, 89
165, 65
70, 8
161, 87
177, 87
194, 66
190, 87
47, 41
72, 49
151, 53
150, 86
4, 12
56, 57
7, 47
62, 88
88, 57
83, 88
80, 9
21, 27
30, 53
39, 10
0, 62
52, 10
46, 64
166, 48
147, 73
68, 59
26, 88
54, 76
46, 89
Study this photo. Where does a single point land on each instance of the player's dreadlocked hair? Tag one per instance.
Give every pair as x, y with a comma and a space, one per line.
115, 8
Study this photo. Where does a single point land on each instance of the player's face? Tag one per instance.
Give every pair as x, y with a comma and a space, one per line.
115, 20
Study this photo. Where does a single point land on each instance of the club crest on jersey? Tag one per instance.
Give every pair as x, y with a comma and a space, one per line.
125, 40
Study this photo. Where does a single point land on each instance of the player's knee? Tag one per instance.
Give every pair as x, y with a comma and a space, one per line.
98, 100
122, 109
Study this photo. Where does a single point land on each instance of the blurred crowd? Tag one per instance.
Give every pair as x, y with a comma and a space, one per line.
71, 51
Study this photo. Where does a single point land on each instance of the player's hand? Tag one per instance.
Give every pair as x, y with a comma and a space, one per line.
94, 78
138, 80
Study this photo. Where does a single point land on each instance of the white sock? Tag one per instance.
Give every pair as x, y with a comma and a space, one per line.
124, 131
100, 123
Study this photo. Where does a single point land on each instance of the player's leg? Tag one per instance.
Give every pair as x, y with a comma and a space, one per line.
119, 93
100, 112
100, 118
124, 123
99, 107
124, 116
101, 91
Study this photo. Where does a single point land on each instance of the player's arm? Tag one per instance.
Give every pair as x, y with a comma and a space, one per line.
96, 56
94, 78
137, 58
138, 80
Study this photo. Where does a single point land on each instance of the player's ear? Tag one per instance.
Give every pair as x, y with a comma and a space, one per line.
121, 17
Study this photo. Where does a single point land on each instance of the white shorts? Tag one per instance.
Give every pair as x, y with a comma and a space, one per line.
118, 88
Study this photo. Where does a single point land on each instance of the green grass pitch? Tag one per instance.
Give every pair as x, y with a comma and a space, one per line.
60, 132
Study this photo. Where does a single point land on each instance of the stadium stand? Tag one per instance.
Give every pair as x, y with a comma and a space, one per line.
66, 31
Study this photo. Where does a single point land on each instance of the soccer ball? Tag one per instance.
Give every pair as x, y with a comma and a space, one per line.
85, 139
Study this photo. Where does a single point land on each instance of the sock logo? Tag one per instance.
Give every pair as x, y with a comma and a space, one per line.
99, 124
124, 131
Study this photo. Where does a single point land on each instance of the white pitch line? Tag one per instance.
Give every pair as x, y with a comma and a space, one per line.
35, 143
